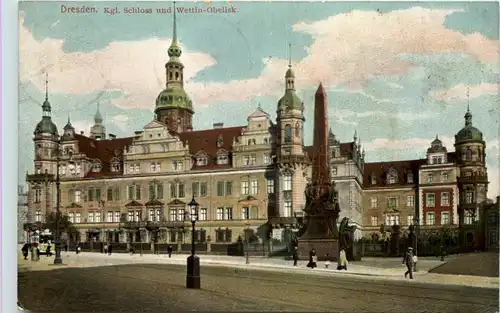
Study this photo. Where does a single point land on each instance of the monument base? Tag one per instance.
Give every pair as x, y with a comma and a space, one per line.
322, 247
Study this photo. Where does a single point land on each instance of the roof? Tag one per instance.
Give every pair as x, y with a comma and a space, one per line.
346, 149
211, 141
104, 151
380, 170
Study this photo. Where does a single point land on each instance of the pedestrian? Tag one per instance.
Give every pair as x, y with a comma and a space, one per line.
342, 263
77, 248
66, 247
110, 247
408, 261
313, 259
47, 251
37, 253
169, 251
327, 261
105, 248
25, 249
295, 256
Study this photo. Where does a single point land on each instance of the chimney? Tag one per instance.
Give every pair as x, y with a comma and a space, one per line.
81, 132
218, 125
111, 136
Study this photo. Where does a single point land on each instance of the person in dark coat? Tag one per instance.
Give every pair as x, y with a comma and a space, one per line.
295, 256
312, 259
25, 249
110, 247
408, 261
66, 247
169, 251
47, 251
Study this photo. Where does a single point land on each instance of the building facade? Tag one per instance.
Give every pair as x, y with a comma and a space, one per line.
22, 213
246, 177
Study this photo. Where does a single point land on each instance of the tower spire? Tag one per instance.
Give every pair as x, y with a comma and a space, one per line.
174, 36
468, 114
289, 54
46, 86
98, 116
46, 108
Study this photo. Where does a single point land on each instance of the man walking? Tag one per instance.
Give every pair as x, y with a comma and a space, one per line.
295, 256
408, 261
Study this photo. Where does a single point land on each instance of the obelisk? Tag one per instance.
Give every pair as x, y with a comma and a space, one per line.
321, 207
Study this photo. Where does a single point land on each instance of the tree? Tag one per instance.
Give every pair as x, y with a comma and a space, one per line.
65, 225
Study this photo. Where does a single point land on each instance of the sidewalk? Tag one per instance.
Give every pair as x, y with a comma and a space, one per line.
391, 272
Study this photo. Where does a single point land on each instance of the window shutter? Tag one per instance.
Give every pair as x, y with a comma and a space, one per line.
229, 188
219, 188
181, 190
138, 192
159, 191
110, 194
151, 191
131, 192
98, 194
203, 189
173, 190
91, 194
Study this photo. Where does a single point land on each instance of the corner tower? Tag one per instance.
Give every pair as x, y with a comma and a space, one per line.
472, 181
98, 131
173, 105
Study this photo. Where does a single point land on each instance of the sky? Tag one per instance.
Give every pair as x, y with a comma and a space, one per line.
396, 73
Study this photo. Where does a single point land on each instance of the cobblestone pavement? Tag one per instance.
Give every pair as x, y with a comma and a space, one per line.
160, 287
474, 264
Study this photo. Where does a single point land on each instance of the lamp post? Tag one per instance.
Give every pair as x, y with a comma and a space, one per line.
417, 227
247, 243
193, 261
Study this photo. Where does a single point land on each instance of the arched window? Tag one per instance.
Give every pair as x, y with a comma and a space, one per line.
179, 125
288, 133
468, 218
170, 76
176, 75
297, 130
468, 155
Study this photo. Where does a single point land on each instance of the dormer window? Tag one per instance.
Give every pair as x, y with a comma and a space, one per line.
468, 155
437, 159
201, 161
410, 178
334, 171
222, 159
115, 167
392, 177
154, 167
373, 179
96, 167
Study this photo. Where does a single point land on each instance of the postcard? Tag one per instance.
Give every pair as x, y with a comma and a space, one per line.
235, 147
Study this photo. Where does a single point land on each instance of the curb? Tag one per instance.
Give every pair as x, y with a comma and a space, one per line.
436, 267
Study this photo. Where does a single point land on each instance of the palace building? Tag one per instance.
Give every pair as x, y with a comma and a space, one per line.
247, 177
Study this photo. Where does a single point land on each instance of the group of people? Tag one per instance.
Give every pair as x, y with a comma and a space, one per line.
313, 259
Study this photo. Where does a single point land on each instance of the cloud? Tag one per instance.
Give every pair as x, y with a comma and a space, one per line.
459, 92
134, 68
82, 126
343, 116
120, 120
367, 45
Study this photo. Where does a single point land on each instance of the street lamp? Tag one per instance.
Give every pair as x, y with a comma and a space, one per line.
193, 261
417, 227
247, 242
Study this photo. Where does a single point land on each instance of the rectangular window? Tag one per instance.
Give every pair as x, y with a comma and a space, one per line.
71, 217
288, 208
410, 178
151, 215
173, 215
429, 178
94, 194
78, 196
110, 194
373, 201
38, 216
410, 201
196, 189
137, 168
130, 216
134, 192
203, 214
287, 182
253, 159
374, 220
391, 219
245, 213
38, 196
158, 215
220, 214
109, 217
203, 189
244, 188
181, 215
78, 217
116, 219
222, 159
98, 217
155, 191
444, 177
445, 218
173, 190
392, 203
265, 159
429, 219
71, 196
246, 160
254, 187
270, 186
180, 186
137, 216
91, 217
409, 220
228, 214
224, 188
430, 200
469, 195
445, 199
220, 188
229, 188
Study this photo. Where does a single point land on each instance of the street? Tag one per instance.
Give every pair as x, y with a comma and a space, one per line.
155, 287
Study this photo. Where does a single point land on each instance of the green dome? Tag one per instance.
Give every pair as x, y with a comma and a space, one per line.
291, 101
174, 98
469, 132
46, 126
